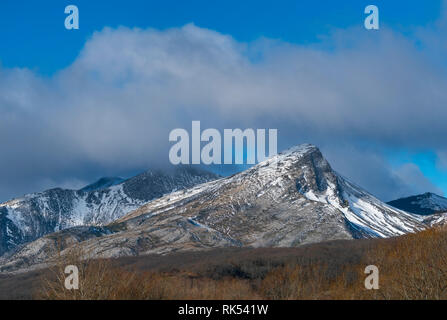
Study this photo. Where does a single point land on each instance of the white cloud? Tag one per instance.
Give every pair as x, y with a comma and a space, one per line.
366, 167
114, 107
415, 181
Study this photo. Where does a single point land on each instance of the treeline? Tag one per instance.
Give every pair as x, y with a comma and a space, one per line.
413, 266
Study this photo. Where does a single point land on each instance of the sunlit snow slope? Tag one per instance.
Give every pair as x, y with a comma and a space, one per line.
35, 215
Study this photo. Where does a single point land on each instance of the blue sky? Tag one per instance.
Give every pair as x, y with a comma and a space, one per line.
426, 160
33, 38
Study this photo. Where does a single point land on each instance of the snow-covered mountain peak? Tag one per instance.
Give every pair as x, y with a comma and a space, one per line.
285, 162
35, 215
424, 204
291, 154
299, 172
291, 199
432, 201
299, 150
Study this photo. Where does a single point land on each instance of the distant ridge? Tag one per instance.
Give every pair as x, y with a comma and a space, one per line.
423, 204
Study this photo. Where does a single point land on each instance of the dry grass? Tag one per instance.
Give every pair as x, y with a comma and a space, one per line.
414, 266
411, 267
101, 281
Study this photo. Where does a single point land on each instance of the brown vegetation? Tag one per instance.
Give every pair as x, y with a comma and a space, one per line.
411, 267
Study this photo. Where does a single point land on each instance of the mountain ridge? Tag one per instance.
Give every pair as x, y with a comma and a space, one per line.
34, 215
422, 204
102, 183
291, 199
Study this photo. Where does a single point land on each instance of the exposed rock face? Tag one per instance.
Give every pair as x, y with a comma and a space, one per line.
291, 199
28, 218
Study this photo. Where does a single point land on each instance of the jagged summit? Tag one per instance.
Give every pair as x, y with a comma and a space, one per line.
296, 151
299, 149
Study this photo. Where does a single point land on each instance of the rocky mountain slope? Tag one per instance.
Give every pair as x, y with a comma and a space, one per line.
28, 218
288, 200
424, 204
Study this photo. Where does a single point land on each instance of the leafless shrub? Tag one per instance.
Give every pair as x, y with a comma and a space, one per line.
411, 267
